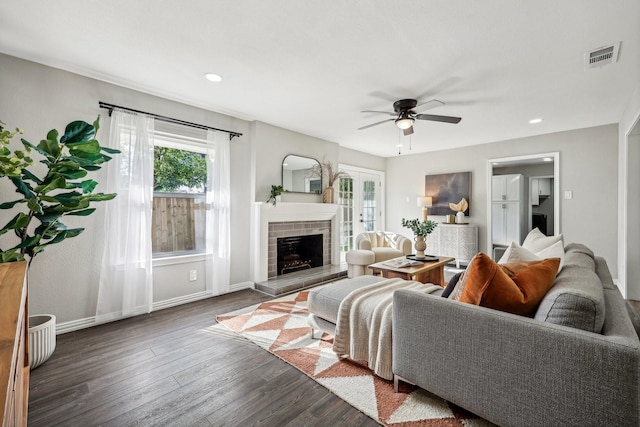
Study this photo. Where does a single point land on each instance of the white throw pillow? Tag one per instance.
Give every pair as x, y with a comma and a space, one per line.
517, 253
536, 241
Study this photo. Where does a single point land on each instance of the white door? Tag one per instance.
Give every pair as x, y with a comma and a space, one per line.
360, 195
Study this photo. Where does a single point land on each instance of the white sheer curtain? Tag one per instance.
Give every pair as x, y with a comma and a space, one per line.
126, 286
218, 199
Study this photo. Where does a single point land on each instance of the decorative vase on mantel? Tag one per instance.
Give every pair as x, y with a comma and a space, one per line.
460, 217
420, 246
327, 195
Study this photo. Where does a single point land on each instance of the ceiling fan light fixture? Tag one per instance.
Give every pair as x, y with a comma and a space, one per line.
404, 122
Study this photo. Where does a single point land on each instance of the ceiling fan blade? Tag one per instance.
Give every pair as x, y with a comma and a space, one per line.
428, 105
375, 124
434, 118
379, 112
407, 131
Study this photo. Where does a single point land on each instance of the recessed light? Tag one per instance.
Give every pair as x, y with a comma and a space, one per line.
399, 145
213, 77
534, 121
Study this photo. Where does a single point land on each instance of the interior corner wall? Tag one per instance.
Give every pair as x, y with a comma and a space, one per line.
271, 145
588, 167
64, 279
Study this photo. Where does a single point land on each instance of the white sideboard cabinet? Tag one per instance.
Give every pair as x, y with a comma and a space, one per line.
459, 241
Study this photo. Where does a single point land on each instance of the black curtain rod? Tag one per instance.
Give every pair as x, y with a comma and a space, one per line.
111, 107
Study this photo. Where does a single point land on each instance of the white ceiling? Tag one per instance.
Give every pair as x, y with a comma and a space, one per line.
312, 66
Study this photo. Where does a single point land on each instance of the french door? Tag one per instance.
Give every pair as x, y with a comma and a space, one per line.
361, 198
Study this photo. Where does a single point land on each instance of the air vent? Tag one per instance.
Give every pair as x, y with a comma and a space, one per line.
601, 56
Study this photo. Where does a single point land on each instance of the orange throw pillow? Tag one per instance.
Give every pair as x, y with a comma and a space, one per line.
515, 288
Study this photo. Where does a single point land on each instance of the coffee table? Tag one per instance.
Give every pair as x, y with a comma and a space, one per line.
428, 272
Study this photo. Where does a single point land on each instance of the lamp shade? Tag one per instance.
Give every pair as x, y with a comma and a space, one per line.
424, 202
404, 122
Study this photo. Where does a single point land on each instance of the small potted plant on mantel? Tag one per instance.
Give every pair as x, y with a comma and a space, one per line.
421, 229
276, 194
44, 200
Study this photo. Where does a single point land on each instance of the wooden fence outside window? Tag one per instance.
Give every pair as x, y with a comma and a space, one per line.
178, 223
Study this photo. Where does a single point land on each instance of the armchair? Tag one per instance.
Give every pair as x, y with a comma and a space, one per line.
375, 246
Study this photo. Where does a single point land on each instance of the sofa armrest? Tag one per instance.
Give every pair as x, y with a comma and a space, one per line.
514, 370
363, 242
404, 244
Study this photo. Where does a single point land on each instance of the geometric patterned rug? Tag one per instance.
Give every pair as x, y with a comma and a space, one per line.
280, 327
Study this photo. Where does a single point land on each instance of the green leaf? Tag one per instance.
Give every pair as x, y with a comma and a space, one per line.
88, 147
30, 241
52, 148
77, 131
29, 145
12, 255
9, 205
101, 197
73, 174
96, 124
19, 221
23, 188
84, 212
53, 135
110, 150
34, 206
88, 186
30, 176
57, 182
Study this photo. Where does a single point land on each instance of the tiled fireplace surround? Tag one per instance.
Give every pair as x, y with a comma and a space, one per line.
291, 219
297, 228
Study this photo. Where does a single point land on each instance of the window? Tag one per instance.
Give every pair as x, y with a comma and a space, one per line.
179, 208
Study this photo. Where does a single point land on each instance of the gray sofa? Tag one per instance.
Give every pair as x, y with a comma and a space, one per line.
575, 363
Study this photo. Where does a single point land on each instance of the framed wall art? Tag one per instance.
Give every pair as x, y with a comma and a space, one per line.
447, 188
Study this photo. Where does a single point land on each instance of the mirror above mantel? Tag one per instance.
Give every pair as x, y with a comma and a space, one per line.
300, 174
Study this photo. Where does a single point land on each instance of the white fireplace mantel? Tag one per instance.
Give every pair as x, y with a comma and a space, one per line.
264, 213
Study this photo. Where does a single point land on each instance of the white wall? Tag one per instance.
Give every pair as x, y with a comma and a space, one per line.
588, 167
63, 280
628, 165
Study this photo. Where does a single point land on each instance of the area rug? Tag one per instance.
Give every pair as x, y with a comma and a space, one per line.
280, 327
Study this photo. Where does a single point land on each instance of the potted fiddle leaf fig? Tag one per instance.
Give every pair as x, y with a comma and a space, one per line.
45, 196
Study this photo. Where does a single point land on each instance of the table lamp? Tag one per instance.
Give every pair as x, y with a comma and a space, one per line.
425, 203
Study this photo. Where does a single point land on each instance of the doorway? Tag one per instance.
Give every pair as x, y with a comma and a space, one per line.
524, 170
632, 228
361, 197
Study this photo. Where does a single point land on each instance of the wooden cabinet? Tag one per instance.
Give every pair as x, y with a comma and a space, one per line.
459, 241
14, 345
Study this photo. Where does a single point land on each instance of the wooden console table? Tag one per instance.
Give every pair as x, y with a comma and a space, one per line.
14, 345
428, 272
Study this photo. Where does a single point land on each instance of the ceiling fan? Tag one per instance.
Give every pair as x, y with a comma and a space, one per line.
406, 112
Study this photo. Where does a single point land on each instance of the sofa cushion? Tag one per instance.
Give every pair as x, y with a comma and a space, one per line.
515, 288
536, 241
386, 253
576, 300
580, 255
516, 253
324, 301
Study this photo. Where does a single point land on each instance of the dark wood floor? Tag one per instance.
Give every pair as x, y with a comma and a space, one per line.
168, 369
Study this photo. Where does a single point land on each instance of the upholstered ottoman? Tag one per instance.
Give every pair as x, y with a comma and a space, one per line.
357, 262
323, 303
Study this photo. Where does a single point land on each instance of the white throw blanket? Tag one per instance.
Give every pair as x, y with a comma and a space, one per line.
363, 330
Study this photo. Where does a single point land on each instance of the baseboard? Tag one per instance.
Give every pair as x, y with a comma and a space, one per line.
242, 285
87, 322
180, 300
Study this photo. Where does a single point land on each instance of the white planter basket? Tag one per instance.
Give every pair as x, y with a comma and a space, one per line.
42, 338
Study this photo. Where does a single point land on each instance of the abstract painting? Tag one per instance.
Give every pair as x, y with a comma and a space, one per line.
447, 188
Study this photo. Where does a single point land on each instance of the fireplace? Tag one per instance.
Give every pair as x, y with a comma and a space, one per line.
299, 253
289, 220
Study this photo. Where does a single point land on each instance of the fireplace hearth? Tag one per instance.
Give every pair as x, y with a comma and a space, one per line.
299, 253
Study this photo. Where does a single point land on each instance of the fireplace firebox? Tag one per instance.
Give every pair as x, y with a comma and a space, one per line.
299, 253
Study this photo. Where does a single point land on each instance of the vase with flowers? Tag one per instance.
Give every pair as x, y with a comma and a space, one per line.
421, 229
330, 175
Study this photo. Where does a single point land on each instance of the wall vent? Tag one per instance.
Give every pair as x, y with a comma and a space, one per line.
602, 56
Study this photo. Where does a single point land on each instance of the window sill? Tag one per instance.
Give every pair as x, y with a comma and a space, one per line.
179, 259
